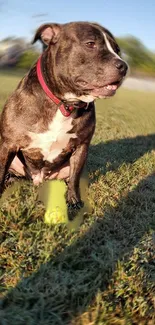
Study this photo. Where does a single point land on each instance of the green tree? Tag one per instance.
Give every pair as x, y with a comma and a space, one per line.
137, 55
27, 59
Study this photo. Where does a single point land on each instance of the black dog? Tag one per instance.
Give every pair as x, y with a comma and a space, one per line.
48, 122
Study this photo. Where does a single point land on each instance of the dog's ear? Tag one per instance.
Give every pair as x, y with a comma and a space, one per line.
47, 33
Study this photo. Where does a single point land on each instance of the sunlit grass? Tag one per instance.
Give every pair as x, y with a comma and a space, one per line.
104, 272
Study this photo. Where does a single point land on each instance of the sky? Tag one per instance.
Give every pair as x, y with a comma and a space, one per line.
121, 17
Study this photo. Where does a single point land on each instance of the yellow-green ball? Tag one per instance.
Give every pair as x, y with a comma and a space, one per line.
54, 216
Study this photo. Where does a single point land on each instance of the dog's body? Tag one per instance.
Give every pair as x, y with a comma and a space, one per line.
38, 140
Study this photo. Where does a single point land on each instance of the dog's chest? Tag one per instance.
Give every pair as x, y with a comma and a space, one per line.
55, 139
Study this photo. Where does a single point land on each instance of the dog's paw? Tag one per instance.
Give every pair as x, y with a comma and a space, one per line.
73, 209
75, 206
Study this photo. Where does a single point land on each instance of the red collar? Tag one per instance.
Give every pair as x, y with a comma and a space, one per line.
65, 110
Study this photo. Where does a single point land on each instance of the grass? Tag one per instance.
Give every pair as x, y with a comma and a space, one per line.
104, 273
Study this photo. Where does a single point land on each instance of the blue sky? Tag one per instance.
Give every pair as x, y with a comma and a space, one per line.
122, 17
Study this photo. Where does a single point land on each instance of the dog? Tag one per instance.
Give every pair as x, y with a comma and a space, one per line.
49, 120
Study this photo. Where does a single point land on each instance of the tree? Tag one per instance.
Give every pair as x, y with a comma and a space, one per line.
138, 56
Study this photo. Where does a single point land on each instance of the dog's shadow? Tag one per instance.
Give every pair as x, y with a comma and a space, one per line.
110, 155
66, 285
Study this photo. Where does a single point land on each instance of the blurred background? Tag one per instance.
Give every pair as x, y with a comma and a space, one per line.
131, 22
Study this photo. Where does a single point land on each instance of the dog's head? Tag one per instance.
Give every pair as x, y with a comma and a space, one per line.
84, 59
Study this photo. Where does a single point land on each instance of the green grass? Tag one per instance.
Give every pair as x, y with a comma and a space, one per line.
104, 273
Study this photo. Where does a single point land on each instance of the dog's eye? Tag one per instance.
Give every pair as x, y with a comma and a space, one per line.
91, 44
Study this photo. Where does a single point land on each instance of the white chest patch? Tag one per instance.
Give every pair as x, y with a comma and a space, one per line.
55, 139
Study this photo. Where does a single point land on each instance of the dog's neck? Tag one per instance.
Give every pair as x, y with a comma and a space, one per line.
48, 74
66, 107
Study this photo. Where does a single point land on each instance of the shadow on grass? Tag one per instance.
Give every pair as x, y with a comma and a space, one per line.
65, 286
112, 154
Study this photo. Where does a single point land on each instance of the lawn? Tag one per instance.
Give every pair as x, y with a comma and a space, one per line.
104, 272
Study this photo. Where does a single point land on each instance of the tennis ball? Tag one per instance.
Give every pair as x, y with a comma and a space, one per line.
54, 216
52, 194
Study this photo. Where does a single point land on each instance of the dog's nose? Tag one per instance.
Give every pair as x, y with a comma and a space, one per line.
121, 66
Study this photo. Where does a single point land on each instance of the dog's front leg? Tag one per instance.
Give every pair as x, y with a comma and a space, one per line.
6, 156
77, 162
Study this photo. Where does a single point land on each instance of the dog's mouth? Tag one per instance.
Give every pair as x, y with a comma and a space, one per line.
92, 92
106, 90
112, 86
101, 90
